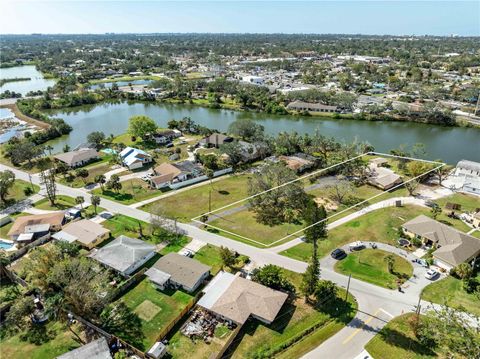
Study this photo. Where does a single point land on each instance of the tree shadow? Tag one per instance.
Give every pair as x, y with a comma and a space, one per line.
223, 192
398, 339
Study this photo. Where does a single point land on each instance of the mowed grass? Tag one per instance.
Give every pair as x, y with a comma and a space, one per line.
61, 203
134, 190
94, 169
377, 226
370, 266
257, 340
210, 256
397, 340
17, 192
469, 203
189, 203
450, 291
61, 340
157, 309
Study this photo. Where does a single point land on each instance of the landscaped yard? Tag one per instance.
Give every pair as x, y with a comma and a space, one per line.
17, 192
134, 190
370, 266
259, 340
60, 340
377, 226
155, 309
397, 340
450, 291
190, 203
94, 169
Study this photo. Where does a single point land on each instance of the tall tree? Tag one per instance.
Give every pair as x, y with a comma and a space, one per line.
101, 180
95, 200
247, 130
272, 276
7, 179
47, 179
80, 200
140, 126
96, 138
227, 256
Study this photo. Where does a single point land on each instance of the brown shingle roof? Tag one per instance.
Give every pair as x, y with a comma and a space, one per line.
54, 219
85, 231
72, 157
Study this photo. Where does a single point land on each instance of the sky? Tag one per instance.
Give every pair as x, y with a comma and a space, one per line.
334, 17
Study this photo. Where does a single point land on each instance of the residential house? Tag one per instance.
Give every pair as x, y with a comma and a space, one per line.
378, 162
452, 246
77, 158
252, 151
134, 158
165, 136
84, 232
311, 107
97, 349
32, 227
299, 162
169, 173
124, 254
178, 271
383, 178
476, 219
465, 177
236, 299
215, 140
467, 168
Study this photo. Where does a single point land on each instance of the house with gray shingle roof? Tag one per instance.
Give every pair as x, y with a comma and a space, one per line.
124, 254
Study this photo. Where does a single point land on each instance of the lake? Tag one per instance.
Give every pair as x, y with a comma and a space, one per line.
36, 82
120, 84
450, 144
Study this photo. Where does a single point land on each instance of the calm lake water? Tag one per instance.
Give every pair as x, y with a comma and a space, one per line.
450, 144
36, 83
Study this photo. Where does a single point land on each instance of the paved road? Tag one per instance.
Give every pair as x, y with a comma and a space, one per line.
376, 305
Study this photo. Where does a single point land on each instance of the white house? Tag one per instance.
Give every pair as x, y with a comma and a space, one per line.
134, 158
254, 80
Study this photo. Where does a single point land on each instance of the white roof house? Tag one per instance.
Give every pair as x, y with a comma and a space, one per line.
97, 349
124, 254
134, 158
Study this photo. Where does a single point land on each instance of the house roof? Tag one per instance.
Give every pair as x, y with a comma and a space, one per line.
311, 106
296, 162
455, 247
53, 219
166, 172
238, 298
123, 252
97, 349
83, 154
469, 165
131, 155
84, 231
383, 176
378, 161
182, 270
217, 139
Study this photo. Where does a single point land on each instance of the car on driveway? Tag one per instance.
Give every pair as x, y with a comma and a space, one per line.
431, 274
356, 246
338, 254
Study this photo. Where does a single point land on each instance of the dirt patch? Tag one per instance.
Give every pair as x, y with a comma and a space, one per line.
327, 203
147, 310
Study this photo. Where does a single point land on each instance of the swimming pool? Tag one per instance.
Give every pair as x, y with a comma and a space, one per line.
5, 245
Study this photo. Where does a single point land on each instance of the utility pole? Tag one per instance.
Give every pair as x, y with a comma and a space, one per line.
30, 179
348, 287
210, 200
478, 103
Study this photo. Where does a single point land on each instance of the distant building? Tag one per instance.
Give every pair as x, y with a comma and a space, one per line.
311, 107
134, 158
124, 254
77, 158
255, 80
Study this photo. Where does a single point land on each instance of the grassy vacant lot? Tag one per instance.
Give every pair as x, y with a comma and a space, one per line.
377, 226
132, 191
65, 202
190, 203
155, 309
450, 291
397, 340
180, 347
369, 265
94, 169
258, 340
60, 340
17, 192
469, 203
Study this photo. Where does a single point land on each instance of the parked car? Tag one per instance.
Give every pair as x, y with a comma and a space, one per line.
338, 254
355, 246
431, 274
431, 204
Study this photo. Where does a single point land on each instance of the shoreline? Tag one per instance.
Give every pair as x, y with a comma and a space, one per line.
16, 111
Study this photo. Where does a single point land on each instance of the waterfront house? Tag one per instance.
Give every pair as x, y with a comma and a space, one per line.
165, 136
77, 158
124, 254
178, 271
311, 107
383, 178
299, 162
84, 232
452, 246
133, 158
215, 140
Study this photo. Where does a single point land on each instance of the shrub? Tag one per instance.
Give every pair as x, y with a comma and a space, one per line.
28, 191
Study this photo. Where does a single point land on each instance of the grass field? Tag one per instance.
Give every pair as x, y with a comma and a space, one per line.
65, 202
60, 340
377, 226
369, 265
17, 192
155, 309
450, 291
257, 340
193, 202
397, 340
134, 190
469, 203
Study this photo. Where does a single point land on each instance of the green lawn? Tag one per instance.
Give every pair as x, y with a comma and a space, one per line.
377, 226
190, 203
397, 340
60, 340
17, 192
156, 309
65, 202
135, 190
450, 291
469, 203
258, 340
369, 265
94, 169
4, 229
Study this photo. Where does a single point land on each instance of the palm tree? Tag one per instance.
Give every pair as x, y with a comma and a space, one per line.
390, 260
80, 200
49, 149
95, 201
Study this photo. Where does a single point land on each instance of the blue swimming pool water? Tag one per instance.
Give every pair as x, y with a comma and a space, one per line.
5, 245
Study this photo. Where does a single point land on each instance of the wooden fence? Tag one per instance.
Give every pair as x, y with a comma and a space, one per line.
230, 340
